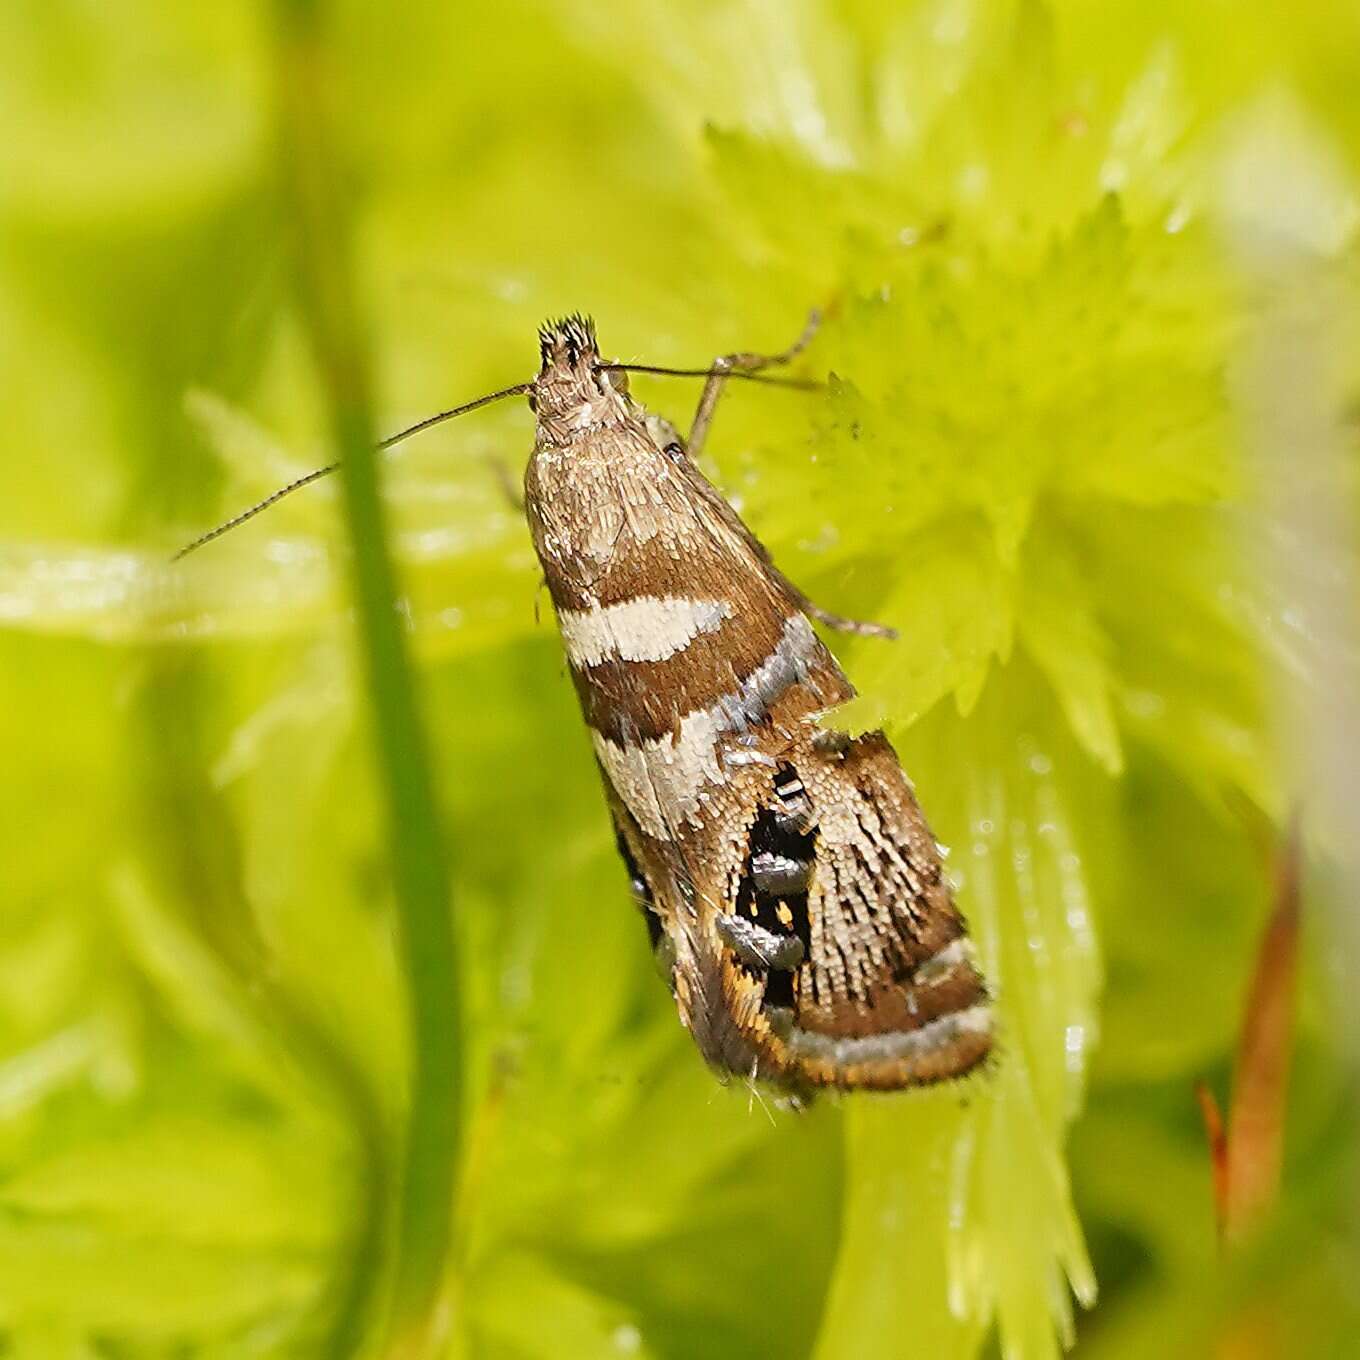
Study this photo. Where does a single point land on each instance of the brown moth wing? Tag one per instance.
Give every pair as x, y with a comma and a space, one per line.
687, 882
854, 972
664, 539
887, 994
681, 643
717, 506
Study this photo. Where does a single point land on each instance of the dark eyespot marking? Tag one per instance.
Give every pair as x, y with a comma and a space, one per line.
778, 875
758, 948
774, 934
792, 811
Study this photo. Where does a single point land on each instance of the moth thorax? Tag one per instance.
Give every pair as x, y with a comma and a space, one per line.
572, 401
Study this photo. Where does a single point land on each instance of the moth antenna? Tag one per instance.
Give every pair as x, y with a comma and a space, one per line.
317, 474
516, 391
803, 384
252, 511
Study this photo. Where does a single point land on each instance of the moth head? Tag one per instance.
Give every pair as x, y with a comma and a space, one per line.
571, 388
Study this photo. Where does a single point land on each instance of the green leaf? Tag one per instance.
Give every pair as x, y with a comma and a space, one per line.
226, 1185
527, 1309
156, 1290
1058, 630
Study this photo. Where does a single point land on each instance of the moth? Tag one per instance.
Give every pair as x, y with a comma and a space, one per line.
793, 893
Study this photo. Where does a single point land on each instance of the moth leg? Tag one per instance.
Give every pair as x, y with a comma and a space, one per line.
703, 419
746, 363
838, 621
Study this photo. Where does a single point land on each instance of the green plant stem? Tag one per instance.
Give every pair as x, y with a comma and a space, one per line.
420, 874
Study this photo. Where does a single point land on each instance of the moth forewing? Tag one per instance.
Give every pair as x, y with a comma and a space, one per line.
808, 927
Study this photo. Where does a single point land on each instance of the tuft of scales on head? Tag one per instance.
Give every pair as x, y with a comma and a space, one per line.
569, 341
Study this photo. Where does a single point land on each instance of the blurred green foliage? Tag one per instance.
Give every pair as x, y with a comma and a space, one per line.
1062, 243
